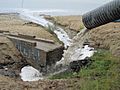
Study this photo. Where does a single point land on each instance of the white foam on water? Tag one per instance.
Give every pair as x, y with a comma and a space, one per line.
79, 54
82, 53
28, 73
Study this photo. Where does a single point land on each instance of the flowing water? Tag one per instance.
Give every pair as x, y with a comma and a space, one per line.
75, 51
36, 18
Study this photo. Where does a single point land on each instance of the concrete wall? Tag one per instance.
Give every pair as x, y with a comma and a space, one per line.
52, 57
33, 55
36, 57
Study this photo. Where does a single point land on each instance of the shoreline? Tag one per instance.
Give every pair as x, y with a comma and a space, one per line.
52, 12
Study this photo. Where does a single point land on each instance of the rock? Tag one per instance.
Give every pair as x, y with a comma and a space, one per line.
9, 73
75, 66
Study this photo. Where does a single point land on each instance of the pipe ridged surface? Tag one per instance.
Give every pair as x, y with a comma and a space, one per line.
102, 15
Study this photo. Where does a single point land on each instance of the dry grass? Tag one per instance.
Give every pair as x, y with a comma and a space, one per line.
15, 25
107, 37
71, 22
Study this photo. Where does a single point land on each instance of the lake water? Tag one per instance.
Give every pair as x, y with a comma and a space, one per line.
78, 6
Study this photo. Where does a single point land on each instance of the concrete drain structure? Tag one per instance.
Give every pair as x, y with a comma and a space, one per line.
40, 53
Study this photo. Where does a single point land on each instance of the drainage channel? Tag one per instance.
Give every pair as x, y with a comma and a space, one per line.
32, 50
80, 53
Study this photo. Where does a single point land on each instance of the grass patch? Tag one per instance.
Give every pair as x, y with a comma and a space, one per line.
65, 75
102, 74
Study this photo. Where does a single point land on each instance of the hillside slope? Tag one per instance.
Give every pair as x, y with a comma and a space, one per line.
106, 37
11, 60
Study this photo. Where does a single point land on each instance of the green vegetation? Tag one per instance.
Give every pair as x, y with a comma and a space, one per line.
102, 74
81, 26
65, 75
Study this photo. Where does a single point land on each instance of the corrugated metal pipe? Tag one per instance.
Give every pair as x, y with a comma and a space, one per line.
102, 15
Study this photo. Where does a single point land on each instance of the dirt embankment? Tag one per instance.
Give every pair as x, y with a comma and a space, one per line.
107, 37
11, 60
